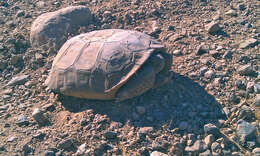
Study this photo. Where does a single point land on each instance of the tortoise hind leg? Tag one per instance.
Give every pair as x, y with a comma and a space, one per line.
142, 81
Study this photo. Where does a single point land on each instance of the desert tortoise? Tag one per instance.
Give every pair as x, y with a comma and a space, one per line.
109, 64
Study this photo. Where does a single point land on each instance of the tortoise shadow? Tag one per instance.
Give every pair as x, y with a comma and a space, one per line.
179, 102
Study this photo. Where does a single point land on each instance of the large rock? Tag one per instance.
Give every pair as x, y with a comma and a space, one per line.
55, 26
245, 130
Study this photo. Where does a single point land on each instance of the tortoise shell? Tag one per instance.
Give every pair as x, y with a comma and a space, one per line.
95, 65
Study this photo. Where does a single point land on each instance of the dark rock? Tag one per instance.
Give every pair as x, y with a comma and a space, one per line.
170, 27
246, 113
110, 135
202, 49
213, 28
66, 144
83, 122
26, 149
246, 70
18, 80
6, 125
3, 64
241, 6
2, 148
39, 136
250, 87
227, 55
49, 107
177, 148
101, 148
39, 117
20, 13
239, 84
211, 129
22, 120
49, 153
245, 130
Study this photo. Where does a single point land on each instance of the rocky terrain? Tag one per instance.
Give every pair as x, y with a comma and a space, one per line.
211, 106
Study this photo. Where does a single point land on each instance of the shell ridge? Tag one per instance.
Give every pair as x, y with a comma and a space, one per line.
65, 52
80, 53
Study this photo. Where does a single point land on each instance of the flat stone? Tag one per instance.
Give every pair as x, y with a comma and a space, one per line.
245, 130
213, 27
248, 43
246, 70
176, 52
198, 146
22, 120
52, 26
145, 130
231, 12
156, 153
12, 139
18, 80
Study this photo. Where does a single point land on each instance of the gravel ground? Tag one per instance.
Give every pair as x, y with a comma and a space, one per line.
211, 106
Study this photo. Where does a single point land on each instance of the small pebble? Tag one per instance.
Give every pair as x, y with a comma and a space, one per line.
22, 120
156, 153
